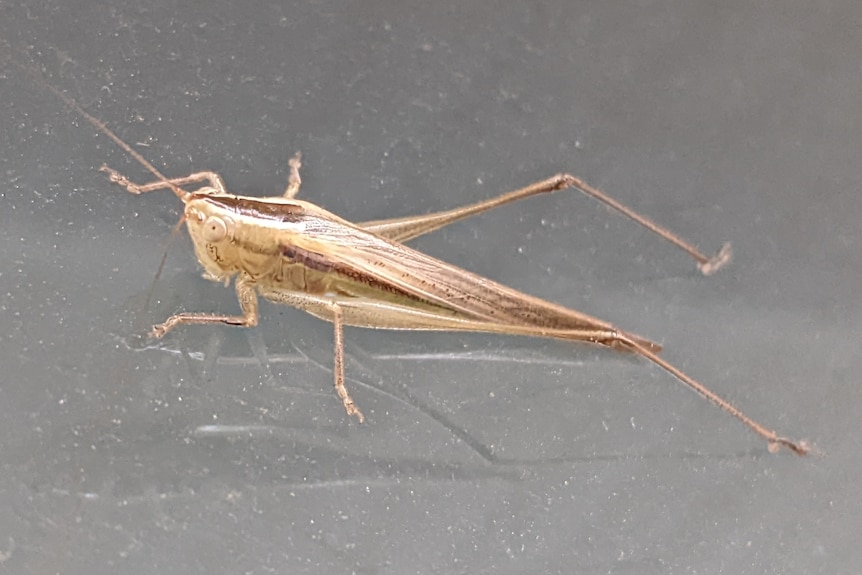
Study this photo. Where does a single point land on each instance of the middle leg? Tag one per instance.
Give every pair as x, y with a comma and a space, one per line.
338, 366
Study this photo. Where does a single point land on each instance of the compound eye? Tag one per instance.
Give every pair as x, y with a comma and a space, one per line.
214, 229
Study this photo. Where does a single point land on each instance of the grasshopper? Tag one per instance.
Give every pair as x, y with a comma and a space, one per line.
293, 252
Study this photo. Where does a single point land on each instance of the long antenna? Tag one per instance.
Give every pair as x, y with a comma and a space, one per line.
103, 128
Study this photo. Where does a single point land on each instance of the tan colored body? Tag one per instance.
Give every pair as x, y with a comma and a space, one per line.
296, 253
302, 250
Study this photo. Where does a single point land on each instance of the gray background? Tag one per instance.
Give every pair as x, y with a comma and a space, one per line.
224, 450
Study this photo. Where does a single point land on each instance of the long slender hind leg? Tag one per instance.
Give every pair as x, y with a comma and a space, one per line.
213, 178
407, 228
617, 340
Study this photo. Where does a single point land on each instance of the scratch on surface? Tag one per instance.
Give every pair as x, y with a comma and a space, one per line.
234, 430
158, 346
272, 359
476, 356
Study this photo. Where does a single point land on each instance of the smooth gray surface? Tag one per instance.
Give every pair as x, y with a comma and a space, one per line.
223, 450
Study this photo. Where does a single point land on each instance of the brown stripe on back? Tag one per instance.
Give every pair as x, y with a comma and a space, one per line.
320, 263
257, 209
311, 260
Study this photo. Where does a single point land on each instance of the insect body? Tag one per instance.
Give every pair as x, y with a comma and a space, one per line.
293, 252
296, 253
